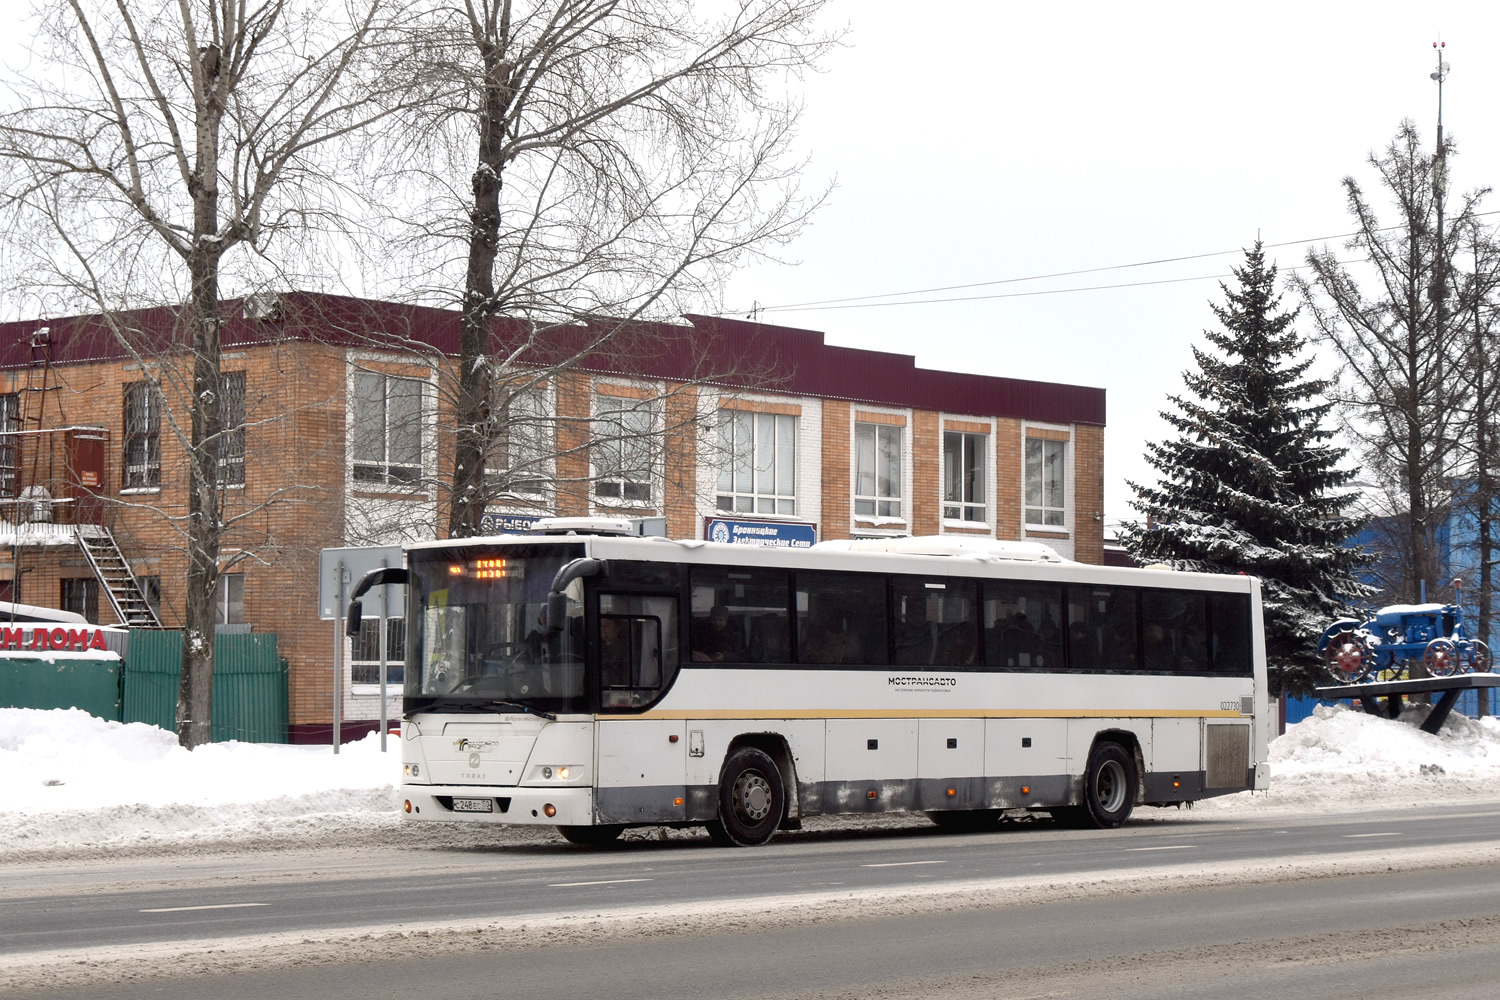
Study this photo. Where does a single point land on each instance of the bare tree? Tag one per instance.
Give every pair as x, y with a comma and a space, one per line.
1476, 491
591, 159
161, 148
1398, 379
596, 414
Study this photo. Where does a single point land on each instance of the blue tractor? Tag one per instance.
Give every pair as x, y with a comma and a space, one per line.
1404, 640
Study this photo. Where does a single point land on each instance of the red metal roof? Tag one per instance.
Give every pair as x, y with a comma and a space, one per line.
739, 353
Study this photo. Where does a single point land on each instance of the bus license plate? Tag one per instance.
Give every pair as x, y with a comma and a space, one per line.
473, 805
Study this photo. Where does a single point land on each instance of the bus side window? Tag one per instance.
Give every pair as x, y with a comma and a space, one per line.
1174, 631
739, 615
1102, 632
1023, 625
935, 623
637, 648
1229, 634
841, 618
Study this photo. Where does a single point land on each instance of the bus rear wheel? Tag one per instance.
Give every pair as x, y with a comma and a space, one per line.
591, 836
1109, 786
751, 800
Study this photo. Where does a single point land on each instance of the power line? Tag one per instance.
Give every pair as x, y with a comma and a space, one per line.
997, 295
868, 301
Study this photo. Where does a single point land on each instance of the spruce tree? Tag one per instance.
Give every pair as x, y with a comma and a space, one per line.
1251, 483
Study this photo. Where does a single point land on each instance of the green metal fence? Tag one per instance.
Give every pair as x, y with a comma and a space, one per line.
250, 684
58, 682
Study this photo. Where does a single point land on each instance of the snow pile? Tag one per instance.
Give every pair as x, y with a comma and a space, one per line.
71, 780
76, 785
1340, 759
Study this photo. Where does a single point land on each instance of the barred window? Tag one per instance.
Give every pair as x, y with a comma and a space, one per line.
364, 663
232, 435
10, 452
142, 436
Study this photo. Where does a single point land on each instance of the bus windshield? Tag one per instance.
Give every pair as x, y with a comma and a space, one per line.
480, 634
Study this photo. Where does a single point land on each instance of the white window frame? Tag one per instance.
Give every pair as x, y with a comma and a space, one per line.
229, 599
1045, 505
757, 476
624, 450
385, 470
395, 654
520, 461
878, 504
964, 508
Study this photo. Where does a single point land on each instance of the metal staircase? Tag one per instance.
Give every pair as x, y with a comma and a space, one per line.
120, 585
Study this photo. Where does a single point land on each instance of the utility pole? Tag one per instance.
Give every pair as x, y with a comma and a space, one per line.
1438, 293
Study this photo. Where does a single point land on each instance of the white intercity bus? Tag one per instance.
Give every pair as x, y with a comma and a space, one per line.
594, 682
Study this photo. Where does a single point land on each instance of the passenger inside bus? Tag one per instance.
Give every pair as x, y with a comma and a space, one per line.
716, 639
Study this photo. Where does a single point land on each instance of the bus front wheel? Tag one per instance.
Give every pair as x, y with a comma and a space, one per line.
1109, 785
751, 800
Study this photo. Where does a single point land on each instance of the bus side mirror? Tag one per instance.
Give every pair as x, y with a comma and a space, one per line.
557, 612
351, 621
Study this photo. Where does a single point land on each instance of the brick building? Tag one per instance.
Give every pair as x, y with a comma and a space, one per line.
339, 432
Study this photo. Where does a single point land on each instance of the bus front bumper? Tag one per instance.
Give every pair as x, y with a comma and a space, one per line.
498, 804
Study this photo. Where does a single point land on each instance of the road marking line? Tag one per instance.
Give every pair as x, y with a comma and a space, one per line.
607, 881
904, 864
1169, 847
1356, 836
211, 906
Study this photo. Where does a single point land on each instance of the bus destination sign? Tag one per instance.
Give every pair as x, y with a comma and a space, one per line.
481, 569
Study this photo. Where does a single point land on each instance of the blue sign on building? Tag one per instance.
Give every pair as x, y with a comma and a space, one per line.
507, 524
774, 534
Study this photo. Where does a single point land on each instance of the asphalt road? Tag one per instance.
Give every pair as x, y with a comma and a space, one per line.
1387, 932
217, 899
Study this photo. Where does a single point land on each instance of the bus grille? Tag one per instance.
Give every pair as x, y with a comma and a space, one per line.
1228, 756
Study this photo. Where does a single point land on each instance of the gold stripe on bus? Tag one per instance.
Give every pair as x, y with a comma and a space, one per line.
935, 713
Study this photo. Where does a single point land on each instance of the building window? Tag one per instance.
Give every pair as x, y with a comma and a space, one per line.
520, 456
232, 435
1045, 473
142, 436
877, 470
963, 476
387, 439
151, 588
229, 599
80, 595
364, 661
760, 462
623, 447
10, 455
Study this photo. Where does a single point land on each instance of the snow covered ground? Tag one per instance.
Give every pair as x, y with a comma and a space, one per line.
76, 786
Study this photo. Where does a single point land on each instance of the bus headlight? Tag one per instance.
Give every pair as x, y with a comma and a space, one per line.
555, 772
412, 770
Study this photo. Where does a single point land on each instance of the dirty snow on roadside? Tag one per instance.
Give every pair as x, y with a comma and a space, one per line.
76, 785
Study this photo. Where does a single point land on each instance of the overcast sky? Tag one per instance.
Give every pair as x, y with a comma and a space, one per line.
988, 142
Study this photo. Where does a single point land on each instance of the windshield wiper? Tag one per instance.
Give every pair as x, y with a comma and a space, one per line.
525, 708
